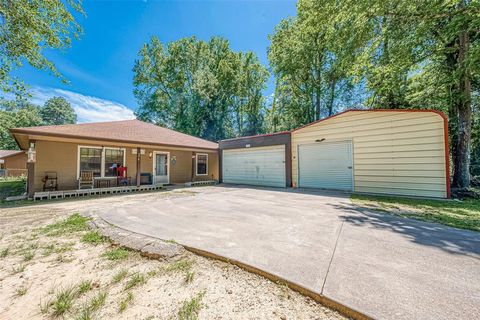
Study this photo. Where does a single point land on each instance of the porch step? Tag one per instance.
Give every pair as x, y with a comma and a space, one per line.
47, 195
200, 183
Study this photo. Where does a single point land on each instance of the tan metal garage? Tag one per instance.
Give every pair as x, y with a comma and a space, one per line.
401, 152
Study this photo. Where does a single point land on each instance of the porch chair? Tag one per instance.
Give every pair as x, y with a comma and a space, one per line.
86, 179
122, 178
50, 181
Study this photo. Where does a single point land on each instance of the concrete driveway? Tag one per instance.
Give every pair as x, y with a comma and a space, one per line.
380, 265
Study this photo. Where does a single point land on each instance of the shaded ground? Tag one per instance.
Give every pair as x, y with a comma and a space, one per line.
51, 267
463, 214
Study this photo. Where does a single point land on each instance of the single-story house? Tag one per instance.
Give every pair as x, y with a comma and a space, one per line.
399, 152
13, 163
148, 153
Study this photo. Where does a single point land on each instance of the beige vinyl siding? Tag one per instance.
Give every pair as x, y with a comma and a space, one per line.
399, 153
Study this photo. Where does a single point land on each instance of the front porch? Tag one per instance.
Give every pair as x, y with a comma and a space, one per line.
71, 170
47, 195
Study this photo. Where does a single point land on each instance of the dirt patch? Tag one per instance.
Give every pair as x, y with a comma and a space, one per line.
51, 266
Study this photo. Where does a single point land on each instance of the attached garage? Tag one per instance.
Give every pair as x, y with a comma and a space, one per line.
262, 160
398, 152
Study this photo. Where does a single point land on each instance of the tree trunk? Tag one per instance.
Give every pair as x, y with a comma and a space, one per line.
462, 101
317, 104
318, 79
333, 83
318, 89
273, 111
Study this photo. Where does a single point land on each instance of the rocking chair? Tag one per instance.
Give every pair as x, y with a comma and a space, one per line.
86, 179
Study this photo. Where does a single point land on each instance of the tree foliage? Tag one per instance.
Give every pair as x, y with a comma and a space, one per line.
200, 88
27, 27
14, 114
395, 54
57, 110
20, 113
310, 58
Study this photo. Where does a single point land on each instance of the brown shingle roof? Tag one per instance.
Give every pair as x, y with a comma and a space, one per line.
132, 131
8, 153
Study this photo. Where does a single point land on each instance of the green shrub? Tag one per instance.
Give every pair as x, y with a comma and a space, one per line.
74, 223
116, 254
93, 237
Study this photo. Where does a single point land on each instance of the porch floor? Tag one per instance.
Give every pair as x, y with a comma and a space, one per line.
45, 195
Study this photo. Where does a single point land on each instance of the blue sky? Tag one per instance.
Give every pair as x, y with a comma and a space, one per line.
99, 65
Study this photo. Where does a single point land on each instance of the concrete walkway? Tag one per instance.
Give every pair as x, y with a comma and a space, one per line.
380, 265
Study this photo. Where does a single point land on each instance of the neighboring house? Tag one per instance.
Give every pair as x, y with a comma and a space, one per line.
400, 152
151, 154
13, 163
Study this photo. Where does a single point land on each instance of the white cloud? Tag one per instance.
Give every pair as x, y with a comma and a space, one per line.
87, 108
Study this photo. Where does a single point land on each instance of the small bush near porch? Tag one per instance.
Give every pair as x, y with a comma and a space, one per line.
460, 214
11, 187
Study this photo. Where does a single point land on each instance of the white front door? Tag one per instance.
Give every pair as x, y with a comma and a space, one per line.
161, 168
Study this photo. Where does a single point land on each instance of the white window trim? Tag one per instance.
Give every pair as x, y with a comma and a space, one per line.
196, 164
103, 158
102, 161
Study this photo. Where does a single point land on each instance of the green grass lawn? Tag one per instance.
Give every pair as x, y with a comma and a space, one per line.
10, 187
460, 214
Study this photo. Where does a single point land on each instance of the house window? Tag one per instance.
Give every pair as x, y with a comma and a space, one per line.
102, 163
113, 159
202, 164
91, 160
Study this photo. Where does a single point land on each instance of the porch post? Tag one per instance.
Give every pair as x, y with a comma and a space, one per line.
30, 179
193, 167
138, 167
31, 169
220, 165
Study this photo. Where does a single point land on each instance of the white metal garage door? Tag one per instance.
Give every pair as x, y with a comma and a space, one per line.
262, 166
326, 165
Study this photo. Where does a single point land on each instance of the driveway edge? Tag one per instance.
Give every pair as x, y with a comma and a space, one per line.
157, 248
148, 246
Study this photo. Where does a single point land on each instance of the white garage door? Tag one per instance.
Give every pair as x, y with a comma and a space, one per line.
326, 165
262, 166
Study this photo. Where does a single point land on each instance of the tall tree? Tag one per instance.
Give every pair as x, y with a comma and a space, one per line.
200, 88
308, 60
14, 114
406, 54
27, 27
428, 47
56, 111
248, 100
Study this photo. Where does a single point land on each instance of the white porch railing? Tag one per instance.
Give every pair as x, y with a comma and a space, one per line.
45, 195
